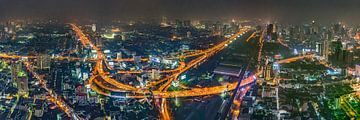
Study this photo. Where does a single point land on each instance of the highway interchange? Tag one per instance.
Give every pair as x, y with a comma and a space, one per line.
102, 83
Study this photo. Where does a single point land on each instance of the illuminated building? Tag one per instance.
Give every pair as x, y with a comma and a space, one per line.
187, 23
19, 76
38, 112
314, 28
137, 59
357, 70
188, 34
93, 27
22, 84
155, 74
268, 70
357, 36
271, 34
164, 22
228, 71
119, 55
337, 49
15, 68
43, 61
185, 47
98, 42
123, 37
178, 23
348, 56
349, 104
325, 50
319, 48
269, 29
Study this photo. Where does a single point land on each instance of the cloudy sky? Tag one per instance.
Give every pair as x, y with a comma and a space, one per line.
280, 10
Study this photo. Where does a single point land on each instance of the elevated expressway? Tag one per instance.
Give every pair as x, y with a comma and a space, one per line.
101, 83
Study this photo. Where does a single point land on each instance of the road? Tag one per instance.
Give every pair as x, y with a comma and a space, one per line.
53, 97
204, 55
102, 83
114, 85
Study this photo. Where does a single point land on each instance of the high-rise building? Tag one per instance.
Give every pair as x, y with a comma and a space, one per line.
325, 52
39, 112
268, 71
164, 21
187, 23
123, 37
337, 49
347, 57
188, 34
155, 74
178, 23
93, 27
119, 55
337, 28
19, 76
269, 29
137, 59
22, 84
271, 33
98, 42
314, 29
13, 72
357, 70
43, 61
319, 48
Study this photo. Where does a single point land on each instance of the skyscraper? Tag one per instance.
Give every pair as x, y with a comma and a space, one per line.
93, 27
319, 48
325, 49
338, 49
19, 76
22, 83
269, 29
268, 71
155, 74
119, 55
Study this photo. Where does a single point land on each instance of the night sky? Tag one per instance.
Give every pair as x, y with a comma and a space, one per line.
281, 10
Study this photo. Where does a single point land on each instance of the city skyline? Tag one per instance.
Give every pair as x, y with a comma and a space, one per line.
179, 60
285, 11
